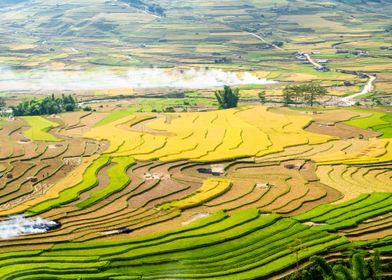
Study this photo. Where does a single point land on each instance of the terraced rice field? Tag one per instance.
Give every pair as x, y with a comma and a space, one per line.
246, 193
38, 129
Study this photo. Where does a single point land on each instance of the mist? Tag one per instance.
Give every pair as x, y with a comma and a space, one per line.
44, 80
18, 225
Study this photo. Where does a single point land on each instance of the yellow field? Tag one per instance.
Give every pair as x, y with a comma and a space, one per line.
208, 136
373, 151
210, 189
350, 181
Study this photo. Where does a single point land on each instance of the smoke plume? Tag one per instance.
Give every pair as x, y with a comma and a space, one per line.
11, 80
18, 225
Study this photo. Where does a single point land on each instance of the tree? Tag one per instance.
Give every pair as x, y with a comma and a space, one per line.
325, 268
2, 103
262, 97
87, 109
227, 98
376, 265
46, 106
289, 92
169, 110
295, 248
358, 267
308, 93
342, 272
278, 43
311, 91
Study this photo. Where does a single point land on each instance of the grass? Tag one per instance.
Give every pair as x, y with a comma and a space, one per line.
378, 121
350, 213
39, 128
364, 96
240, 246
118, 180
114, 116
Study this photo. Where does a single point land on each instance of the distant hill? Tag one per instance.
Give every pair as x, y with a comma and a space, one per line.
163, 33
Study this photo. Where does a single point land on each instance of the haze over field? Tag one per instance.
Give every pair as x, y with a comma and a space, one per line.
142, 78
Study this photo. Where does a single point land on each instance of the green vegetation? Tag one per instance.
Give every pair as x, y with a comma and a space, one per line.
262, 97
39, 127
307, 93
337, 216
208, 248
145, 6
70, 194
2, 103
378, 121
228, 98
157, 105
118, 180
114, 116
357, 268
46, 106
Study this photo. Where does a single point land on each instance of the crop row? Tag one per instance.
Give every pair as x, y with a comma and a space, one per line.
204, 137
352, 181
350, 213
241, 246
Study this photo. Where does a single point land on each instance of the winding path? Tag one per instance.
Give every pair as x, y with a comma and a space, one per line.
349, 100
345, 101
265, 41
315, 64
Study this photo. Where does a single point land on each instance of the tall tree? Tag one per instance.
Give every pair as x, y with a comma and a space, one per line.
227, 98
2, 103
308, 93
312, 91
262, 97
325, 268
358, 267
289, 92
376, 265
342, 272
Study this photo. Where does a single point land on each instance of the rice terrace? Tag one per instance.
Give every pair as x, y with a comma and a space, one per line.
196, 139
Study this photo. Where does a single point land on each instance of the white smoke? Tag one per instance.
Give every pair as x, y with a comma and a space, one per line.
37, 80
18, 225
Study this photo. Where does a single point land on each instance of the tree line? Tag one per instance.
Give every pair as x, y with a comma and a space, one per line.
307, 93
46, 106
227, 98
357, 268
148, 6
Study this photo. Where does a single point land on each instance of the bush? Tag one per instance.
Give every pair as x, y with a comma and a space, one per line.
227, 98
